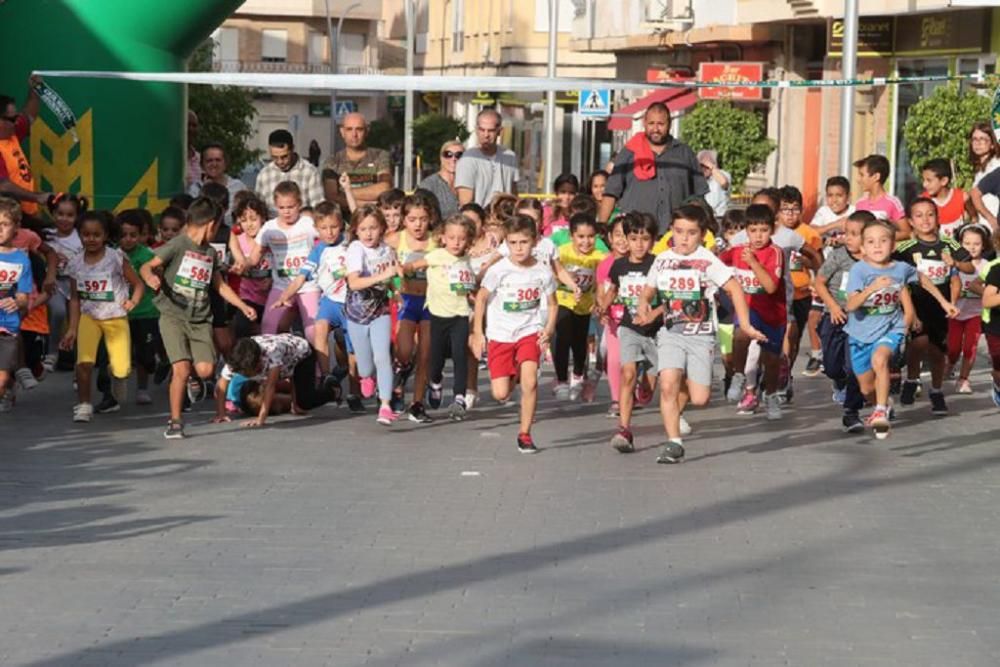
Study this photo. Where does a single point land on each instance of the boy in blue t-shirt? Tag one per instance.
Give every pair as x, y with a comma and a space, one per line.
15, 286
881, 312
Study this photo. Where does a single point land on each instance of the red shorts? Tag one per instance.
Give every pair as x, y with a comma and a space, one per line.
505, 359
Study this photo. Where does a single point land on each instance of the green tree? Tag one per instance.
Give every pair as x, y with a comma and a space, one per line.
225, 113
738, 135
430, 130
938, 127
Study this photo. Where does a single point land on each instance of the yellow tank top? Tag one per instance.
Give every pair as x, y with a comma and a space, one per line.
406, 255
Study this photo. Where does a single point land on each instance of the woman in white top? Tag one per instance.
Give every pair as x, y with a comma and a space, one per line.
984, 154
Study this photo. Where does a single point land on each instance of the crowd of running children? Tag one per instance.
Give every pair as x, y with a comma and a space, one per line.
209, 302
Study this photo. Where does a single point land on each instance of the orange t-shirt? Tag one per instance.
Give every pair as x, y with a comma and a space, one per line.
37, 320
14, 164
801, 276
951, 212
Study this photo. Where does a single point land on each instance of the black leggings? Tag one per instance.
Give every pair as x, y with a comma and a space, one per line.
450, 335
571, 334
308, 394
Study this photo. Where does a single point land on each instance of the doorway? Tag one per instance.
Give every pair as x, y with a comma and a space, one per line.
905, 181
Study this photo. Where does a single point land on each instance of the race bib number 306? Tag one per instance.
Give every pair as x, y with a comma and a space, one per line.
521, 298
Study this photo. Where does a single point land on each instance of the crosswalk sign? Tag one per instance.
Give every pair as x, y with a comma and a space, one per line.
595, 103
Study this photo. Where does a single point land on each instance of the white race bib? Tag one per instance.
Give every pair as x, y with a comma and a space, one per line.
934, 269
289, 259
9, 275
520, 298
884, 301
194, 274
748, 281
461, 279
630, 287
96, 287
681, 284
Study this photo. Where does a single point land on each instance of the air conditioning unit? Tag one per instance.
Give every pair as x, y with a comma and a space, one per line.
668, 13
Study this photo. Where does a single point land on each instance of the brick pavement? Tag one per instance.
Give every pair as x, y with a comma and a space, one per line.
341, 542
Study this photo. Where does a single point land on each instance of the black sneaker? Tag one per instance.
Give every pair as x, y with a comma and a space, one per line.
813, 368
418, 414
332, 385
107, 404
396, 403
175, 430
400, 374
525, 444
457, 410
195, 389
938, 406
355, 405
908, 392
623, 442
672, 452
852, 423
434, 396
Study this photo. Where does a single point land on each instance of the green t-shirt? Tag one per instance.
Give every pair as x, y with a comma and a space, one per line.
145, 310
561, 237
188, 270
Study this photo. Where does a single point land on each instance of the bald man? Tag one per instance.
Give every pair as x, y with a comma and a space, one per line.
369, 169
488, 168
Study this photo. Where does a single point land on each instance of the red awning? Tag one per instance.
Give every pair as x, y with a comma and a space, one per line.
676, 99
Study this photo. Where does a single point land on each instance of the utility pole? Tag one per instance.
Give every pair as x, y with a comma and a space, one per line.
550, 101
408, 111
850, 71
335, 65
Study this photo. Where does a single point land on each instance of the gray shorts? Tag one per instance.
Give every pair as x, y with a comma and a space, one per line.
692, 354
8, 352
634, 348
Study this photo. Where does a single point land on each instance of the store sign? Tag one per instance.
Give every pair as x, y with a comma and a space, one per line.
731, 73
484, 98
876, 36
659, 75
322, 109
951, 32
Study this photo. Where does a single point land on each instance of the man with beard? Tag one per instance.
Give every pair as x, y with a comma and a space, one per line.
654, 173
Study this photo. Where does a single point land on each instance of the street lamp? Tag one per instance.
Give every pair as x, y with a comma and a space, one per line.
334, 65
550, 98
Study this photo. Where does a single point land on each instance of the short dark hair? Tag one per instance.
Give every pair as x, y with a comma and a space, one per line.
838, 182
522, 224
875, 164
288, 189
657, 106
6, 101
566, 179
181, 201
734, 219
790, 194
250, 204
217, 193
636, 224
583, 203
939, 167
175, 213
139, 218
214, 145
757, 214
580, 219
100, 218
864, 217
921, 200
392, 198
245, 356
203, 211
473, 207
693, 213
281, 139
771, 193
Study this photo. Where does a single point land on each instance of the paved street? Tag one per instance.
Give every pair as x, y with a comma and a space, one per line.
341, 542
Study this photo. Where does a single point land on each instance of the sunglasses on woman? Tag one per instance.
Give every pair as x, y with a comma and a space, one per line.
447, 155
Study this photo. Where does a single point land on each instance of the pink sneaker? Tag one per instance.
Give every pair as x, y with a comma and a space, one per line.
748, 404
368, 387
642, 394
385, 416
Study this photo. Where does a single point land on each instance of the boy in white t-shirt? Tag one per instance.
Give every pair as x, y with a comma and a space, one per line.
686, 278
513, 291
830, 219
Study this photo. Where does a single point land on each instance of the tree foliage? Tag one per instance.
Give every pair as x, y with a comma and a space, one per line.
225, 113
430, 131
938, 127
738, 135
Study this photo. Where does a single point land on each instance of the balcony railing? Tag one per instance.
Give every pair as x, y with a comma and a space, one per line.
290, 68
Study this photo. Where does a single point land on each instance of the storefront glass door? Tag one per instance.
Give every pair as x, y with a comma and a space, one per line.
906, 182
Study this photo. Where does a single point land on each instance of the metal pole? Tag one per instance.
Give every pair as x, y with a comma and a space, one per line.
333, 70
550, 101
408, 111
850, 71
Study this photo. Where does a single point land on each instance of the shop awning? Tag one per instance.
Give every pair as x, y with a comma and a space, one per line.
676, 99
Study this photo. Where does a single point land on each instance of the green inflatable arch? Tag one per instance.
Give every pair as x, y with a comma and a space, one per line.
132, 136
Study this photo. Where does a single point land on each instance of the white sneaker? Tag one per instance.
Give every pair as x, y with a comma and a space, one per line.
773, 403
736, 386
685, 427
49, 363
26, 379
575, 387
561, 391
142, 397
83, 412
470, 399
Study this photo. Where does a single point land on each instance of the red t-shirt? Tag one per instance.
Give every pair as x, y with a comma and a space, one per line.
769, 307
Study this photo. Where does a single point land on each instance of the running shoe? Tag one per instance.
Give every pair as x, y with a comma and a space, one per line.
735, 392
613, 411
623, 441
107, 404
995, 395
368, 387
142, 397
963, 386
355, 405
813, 367
561, 391
773, 407
748, 404
575, 388
685, 427
418, 414
839, 395
26, 379
908, 392
83, 412
643, 394
525, 444
672, 452
396, 403
175, 430
400, 374
938, 406
385, 416
49, 362
471, 398
434, 394
457, 410
852, 423
878, 420
195, 389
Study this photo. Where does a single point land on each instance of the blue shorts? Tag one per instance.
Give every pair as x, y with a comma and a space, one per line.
333, 312
414, 309
775, 334
861, 353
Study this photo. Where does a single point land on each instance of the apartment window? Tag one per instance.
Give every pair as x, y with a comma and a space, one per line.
458, 25
352, 50
317, 48
981, 65
225, 48
274, 46
566, 12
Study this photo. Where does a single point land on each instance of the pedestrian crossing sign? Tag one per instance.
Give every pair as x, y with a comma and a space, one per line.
595, 103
